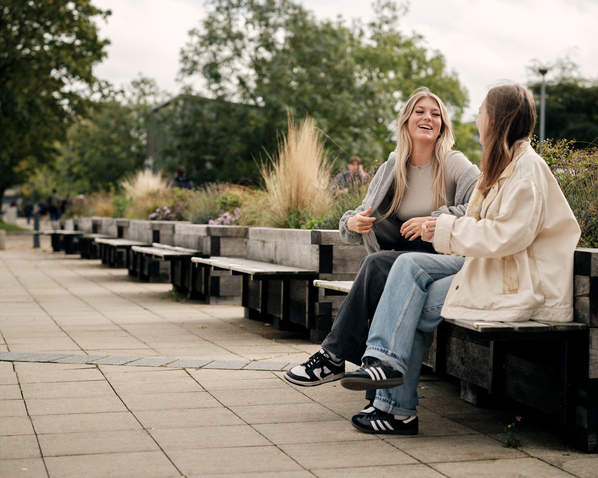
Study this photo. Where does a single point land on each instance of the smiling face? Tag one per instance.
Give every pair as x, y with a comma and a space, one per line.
425, 121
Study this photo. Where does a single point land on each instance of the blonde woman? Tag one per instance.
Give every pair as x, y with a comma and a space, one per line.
510, 258
422, 177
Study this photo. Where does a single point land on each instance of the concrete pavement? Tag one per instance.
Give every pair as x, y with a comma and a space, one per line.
101, 375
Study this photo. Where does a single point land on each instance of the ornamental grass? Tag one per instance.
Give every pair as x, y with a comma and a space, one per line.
296, 182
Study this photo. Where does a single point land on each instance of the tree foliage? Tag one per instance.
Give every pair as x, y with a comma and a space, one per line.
571, 104
110, 144
276, 58
215, 139
47, 51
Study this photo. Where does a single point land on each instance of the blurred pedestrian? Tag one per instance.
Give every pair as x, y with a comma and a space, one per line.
353, 177
180, 179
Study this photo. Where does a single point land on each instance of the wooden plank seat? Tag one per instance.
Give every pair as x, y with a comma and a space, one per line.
88, 247
164, 263
529, 361
63, 240
280, 294
114, 252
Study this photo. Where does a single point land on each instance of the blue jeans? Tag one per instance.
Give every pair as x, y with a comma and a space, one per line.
410, 306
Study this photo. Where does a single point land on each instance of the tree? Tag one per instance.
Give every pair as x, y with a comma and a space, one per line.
47, 51
215, 139
571, 104
276, 57
110, 144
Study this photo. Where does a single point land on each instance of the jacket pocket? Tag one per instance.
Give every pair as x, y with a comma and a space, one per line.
510, 280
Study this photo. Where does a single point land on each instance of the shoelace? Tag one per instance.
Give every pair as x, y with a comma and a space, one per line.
315, 361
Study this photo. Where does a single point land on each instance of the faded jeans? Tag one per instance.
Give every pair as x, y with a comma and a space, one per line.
409, 306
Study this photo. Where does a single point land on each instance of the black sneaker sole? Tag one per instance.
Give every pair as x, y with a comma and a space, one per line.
358, 383
330, 378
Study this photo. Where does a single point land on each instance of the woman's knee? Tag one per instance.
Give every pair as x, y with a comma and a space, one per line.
379, 261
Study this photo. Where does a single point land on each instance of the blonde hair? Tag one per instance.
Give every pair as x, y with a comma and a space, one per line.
444, 143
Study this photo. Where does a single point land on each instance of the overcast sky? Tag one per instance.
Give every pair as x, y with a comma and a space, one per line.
483, 41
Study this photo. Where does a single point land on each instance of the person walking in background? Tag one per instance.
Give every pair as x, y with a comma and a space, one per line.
352, 178
54, 202
510, 258
180, 179
423, 176
28, 210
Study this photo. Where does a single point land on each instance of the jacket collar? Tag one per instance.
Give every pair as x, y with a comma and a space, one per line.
481, 205
508, 171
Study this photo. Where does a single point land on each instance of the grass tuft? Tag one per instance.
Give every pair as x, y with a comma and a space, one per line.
296, 183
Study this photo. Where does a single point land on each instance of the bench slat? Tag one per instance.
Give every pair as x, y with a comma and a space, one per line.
479, 325
339, 285
163, 252
254, 268
120, 242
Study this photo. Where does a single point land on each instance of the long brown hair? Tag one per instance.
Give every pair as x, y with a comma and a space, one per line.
444, 143
511, 120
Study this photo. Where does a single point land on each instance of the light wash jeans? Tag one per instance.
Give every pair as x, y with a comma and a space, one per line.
410, 306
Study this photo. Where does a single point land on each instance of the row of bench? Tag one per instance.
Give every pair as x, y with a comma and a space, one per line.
547, 366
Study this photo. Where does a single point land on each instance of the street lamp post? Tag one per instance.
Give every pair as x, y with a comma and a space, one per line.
543, 72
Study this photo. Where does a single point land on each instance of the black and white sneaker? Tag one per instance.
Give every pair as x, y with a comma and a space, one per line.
368, 409
373, 375
384, 423
319, 369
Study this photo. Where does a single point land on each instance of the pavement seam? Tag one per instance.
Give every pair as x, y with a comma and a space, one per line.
162, 362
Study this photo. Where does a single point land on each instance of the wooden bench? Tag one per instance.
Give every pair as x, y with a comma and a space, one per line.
531, 362
62, 240
88, 247
164, 263
115, 252
282, 295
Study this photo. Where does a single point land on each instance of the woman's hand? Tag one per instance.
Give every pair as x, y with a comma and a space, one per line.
361, 222
412, 228
428, 229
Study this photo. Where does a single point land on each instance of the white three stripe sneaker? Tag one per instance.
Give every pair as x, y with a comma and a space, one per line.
373, 375
384, 423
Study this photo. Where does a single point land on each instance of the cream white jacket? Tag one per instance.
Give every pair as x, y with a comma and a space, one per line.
519, 244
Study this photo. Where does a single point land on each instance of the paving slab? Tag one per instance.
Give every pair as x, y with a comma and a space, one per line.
188, 363
226, 365
198, 438
151, 362
104, 377
79, 358
259, 365
101, 442
115, 360
115, 465
525, 467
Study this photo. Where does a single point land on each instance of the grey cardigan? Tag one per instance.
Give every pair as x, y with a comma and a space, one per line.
382, 182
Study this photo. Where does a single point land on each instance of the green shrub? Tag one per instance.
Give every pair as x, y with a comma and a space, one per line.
576, 171
211, 200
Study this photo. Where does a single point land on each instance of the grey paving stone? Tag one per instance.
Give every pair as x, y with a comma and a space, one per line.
79, 358
14, 356
227, 364
257, 365
188, 363
115, 360
45, 357
151, 362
